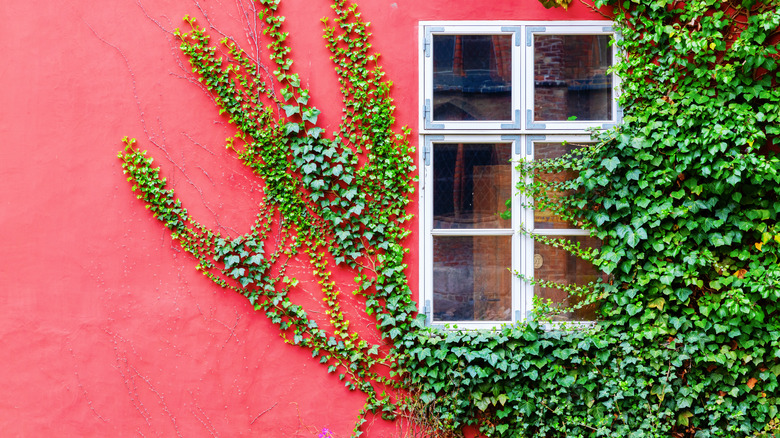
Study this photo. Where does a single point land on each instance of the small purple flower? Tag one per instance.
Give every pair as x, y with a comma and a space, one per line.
326, 433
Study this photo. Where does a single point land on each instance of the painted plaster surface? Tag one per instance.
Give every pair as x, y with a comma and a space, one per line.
106, 328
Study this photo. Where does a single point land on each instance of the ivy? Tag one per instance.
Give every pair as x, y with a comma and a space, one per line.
334, 200
684, 195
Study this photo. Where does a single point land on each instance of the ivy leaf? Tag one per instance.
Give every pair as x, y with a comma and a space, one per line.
527, 407
290, 110
292, 127
256, 259
237, 272
563, 353
658, 391
683, 294
567, 381
683, 418
315, 132
610, 164
310, 115
657, 303
632, 238
231, 260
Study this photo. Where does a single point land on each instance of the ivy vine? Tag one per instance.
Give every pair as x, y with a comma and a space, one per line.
337, 199
684, 195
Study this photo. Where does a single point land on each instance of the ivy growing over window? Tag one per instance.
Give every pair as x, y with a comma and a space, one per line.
685, 196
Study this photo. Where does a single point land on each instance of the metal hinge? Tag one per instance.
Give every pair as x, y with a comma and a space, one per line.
428, 312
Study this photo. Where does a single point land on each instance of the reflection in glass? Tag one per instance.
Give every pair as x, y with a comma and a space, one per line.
546, 151
471, 278
570, 77
558, 265
471, 184
472, 77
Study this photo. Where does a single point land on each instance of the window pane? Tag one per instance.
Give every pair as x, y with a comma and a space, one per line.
554, 264
472, 77
471, 184
546, 151
471, 278
570, 77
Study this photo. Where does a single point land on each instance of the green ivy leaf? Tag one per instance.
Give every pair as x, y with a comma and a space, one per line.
290, 110
657, 303
610, 163
231, 260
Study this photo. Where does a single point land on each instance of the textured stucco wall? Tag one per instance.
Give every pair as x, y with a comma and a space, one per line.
106, 329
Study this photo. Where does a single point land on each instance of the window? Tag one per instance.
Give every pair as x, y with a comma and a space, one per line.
493, 94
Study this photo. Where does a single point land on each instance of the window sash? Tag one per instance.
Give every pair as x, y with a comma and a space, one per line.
534, 124
522, 132
430, 232
522, 87
430, 32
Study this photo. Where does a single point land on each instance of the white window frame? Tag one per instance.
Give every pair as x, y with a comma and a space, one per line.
522, 132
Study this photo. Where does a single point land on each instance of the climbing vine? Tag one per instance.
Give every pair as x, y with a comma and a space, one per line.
334, 200
684, 195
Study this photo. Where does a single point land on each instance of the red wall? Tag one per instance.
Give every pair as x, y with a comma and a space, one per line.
106, 329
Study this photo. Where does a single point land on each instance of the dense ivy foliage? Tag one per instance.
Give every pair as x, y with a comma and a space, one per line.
685, 196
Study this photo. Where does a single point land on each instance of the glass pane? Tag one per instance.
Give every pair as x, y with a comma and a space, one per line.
546, 151
471, 278
472, 77
471, 184
554, 264
570, 77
